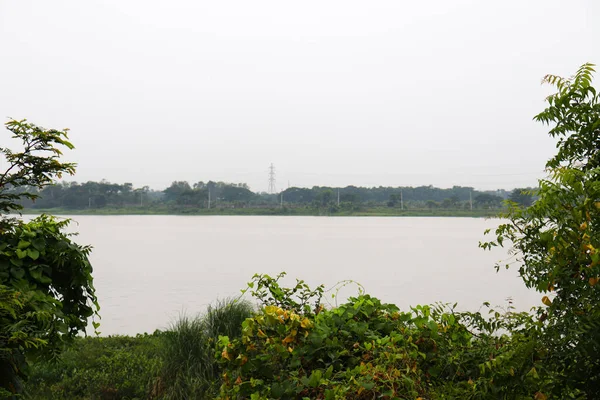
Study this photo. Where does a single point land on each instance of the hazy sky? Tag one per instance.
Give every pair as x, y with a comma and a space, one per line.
345, 92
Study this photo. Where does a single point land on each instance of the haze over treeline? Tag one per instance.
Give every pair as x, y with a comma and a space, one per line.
333, 93
73, 195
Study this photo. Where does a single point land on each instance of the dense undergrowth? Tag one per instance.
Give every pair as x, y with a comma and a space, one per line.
178, 363
292, 347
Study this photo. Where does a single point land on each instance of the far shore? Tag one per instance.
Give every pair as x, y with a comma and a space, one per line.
363, 212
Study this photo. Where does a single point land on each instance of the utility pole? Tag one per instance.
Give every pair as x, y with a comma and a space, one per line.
471, 199
272, 179
401, 200
209, 198
338, 203
281, 205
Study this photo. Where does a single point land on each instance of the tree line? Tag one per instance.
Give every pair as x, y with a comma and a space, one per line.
96, 195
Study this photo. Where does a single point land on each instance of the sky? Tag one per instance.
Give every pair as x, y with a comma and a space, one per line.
336, 92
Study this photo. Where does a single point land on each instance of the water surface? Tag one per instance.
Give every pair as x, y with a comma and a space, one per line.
150, 269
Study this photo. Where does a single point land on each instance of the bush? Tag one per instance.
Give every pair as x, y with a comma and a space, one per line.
114, 367
367, 349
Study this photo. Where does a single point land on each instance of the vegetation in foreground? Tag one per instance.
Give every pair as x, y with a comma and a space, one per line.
175, 364
292, 346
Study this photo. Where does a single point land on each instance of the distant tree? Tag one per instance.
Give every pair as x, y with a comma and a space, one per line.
236, 194
431, 204
325, 197
176, 189
487, 200
100, 201
452, 202
522, 196
199, 185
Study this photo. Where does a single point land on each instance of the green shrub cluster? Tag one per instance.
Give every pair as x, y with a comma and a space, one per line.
294, 348
365, 349
116, 367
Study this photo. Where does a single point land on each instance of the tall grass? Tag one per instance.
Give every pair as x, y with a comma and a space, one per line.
190, 369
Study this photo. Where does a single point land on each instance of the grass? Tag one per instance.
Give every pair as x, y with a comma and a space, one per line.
190, 370
178, 363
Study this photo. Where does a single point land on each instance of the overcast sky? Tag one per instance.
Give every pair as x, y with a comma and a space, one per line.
366, 93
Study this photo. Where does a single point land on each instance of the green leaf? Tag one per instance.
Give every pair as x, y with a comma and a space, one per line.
21, 253
39, 243
315, 378
33, 253
23, 244
16, 261
18, 273
367, 385
36, 273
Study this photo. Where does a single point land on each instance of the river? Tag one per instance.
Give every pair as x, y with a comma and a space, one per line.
148, 270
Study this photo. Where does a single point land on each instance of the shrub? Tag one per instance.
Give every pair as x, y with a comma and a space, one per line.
114, 367
365, 349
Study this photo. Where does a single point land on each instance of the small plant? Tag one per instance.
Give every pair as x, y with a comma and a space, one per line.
298, 298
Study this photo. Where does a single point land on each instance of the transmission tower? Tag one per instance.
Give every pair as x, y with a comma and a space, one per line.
272, 179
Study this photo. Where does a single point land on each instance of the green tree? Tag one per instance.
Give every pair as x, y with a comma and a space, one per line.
325, 197
557, 239
522, 196
46, 290
487, 200
36, 166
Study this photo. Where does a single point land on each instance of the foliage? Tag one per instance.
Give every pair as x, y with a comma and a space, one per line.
522, 197
190, 370
35, 166
180, 195
575, 112
47, 276
556, 240
175, 364
39, 257
114, 367
18, 330
298, 298
366, 349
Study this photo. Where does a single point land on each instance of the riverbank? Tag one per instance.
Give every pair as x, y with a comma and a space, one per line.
361, 349
300, 211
